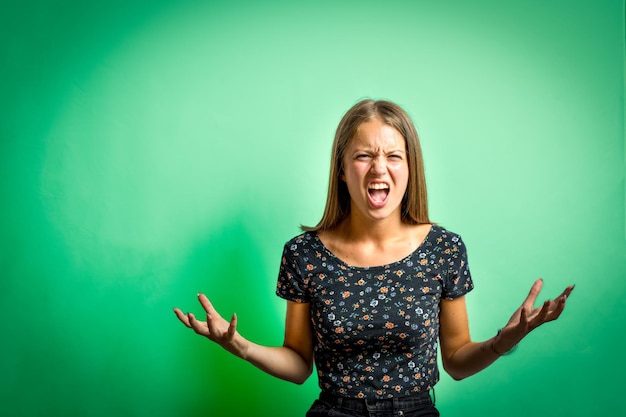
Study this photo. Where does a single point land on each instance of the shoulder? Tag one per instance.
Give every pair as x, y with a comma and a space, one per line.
302, 238
445, 237
302, 243
443, 232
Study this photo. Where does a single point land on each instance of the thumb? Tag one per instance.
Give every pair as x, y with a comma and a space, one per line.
529, 302
232, 328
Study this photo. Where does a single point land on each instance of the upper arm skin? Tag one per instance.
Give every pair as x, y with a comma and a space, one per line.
453, 330
299, 332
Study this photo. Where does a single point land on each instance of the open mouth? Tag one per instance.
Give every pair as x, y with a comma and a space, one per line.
378, 192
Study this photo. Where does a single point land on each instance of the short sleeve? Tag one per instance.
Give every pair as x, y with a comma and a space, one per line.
291, 285
458, 281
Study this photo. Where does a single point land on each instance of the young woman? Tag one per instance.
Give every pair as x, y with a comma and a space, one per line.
375, 288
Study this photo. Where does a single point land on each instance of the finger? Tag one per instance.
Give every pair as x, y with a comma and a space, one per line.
523, 319
556, 308
206, 305
541, 316
182, 317
214, 324
197, 326
559, 306
566, 293
559, 302
232, 328
192, 320
529, 302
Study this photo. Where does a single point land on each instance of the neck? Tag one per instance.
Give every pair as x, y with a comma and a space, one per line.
358, 228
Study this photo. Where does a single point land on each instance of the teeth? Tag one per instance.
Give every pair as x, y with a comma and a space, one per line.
378, 186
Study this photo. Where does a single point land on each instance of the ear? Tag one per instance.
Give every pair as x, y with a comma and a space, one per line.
342, 175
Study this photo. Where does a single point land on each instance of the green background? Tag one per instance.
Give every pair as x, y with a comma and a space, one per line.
153, 149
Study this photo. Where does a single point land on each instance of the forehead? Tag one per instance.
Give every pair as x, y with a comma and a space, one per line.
377, 134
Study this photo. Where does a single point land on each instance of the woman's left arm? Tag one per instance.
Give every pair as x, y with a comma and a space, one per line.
462, 357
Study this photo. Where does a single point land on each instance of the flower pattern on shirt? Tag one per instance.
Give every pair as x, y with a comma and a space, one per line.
375, 328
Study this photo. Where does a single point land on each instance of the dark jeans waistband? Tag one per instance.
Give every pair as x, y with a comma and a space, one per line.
361, 404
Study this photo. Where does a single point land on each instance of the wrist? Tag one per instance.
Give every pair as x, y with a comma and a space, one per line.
238, 346
498, 349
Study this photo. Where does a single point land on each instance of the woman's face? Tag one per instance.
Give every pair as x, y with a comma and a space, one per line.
376, 170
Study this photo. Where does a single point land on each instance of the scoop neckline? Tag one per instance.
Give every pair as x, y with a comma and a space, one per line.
382, 266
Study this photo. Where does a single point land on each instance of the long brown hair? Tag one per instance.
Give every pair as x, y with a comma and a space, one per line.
415, 202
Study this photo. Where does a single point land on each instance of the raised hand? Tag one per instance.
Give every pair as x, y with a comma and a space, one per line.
215, 328
528, 317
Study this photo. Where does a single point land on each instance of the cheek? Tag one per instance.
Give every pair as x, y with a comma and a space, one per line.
400, 172
353, 172
401, 179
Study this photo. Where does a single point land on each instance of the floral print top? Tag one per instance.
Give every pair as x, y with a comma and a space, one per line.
375, 328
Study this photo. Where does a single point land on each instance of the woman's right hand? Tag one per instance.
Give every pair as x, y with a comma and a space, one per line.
528, 317
215, 328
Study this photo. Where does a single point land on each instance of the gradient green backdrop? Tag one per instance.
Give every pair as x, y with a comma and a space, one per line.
153, 149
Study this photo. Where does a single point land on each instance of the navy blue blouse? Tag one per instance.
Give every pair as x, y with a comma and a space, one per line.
375, 328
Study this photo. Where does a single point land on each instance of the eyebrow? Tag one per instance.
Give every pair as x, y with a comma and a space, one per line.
371, 150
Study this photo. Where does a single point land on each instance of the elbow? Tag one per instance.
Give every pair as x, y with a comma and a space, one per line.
457, 377
301, 378
456, 374
301, 373
299, 381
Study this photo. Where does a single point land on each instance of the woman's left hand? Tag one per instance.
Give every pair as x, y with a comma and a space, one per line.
527, 318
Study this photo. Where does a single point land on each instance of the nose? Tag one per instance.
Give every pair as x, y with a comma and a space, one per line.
379, 166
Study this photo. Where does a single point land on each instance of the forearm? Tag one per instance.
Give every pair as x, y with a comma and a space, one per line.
462, 358
280, 361
472, 358
292, 362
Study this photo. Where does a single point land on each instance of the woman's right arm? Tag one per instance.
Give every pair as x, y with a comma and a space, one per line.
293, 361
